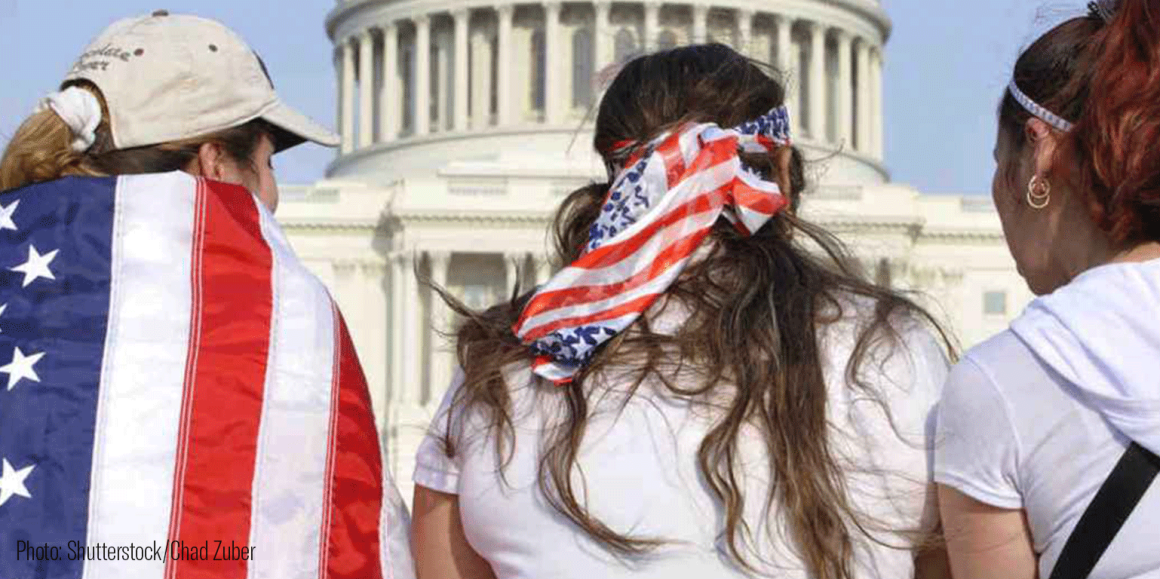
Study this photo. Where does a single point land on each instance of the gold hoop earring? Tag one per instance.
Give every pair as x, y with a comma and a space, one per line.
1038, 192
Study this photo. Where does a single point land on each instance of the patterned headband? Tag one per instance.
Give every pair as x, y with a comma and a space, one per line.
1038, 110
1105, 9
659, 209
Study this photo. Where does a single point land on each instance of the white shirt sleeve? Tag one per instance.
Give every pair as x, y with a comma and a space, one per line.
977, 448
433, 468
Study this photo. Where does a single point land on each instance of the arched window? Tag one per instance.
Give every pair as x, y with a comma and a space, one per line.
582, 68
625, 45
667, 40
539, 72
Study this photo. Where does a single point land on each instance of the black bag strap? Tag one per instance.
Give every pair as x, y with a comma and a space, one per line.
1108, 511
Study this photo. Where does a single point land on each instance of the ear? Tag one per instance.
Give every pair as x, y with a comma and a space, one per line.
211, 160
1044, 140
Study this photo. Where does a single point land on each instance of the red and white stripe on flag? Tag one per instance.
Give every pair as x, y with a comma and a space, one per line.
233, 412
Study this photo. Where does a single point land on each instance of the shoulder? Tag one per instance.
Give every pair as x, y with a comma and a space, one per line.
1003, 381
979, 448
1002, 366
974, 386
1003, 350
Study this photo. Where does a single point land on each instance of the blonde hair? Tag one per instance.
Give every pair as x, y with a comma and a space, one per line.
40, 151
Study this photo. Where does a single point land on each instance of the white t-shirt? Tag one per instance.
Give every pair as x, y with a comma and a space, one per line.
1014, 434
640, 474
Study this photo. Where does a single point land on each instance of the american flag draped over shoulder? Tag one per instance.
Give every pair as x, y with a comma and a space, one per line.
172, 378
658, 211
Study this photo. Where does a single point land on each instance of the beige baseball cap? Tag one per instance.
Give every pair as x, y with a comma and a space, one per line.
167, 77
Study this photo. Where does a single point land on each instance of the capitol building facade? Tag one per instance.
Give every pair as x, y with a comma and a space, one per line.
466, 122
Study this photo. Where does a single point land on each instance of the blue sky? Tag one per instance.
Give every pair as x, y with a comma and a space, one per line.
946, 64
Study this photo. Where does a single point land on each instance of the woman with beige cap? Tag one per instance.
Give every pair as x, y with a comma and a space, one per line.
162, 93
179, 396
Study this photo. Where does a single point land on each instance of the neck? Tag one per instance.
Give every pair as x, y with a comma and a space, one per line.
1146, 251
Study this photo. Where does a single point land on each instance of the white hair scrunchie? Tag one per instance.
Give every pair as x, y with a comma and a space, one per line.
80, 110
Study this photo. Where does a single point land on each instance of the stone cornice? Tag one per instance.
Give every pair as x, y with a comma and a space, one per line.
823, 150
328, 224
870, 10
878, 223
494, 217
960, 235
909, 225
347, 265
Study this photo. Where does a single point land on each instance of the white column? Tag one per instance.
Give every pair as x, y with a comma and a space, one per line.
877, 140
652, 18
408, 421
700, 23
389, 100
602, 35
462, 17
862, 95
400, 272
504, 74
412, 334
348, 104
787, 61
553, 103
368, 316
366, 86
441, 347
481, 79
422, 88
394, 362
845, 91
382, 289
744, 31
442, 94
818, 98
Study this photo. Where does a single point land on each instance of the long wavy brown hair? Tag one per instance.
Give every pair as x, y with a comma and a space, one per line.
757, 304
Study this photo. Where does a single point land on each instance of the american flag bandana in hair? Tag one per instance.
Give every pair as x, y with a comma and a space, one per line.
657, 212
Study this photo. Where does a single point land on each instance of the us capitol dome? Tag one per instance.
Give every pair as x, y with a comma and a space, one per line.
465, 122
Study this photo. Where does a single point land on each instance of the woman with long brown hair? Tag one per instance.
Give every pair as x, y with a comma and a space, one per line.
707, 389
1049, 431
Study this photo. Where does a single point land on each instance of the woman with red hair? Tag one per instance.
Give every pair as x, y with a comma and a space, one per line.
1048, 432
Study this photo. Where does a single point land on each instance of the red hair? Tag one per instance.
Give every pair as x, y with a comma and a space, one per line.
1105, 77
